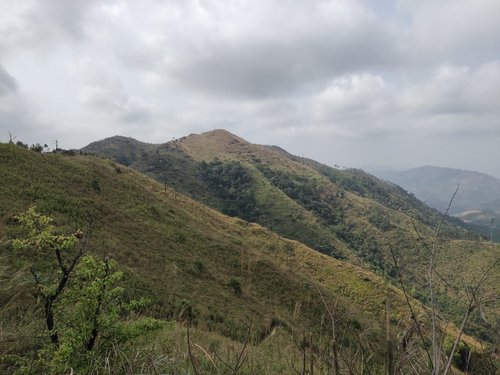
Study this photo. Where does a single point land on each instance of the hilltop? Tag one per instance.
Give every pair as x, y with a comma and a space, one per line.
347, 214
173, 249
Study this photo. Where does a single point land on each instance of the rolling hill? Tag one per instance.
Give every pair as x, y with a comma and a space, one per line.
477, 201
174, 250
435, 185
347, 214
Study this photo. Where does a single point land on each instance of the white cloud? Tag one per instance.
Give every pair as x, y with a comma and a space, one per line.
354, 70
351, 98
7, 83
465, 31
453, 100
39, 25
457, 100
270, 48
18, 115
119, 105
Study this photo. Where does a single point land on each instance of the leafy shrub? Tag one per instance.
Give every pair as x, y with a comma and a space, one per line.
235, 285
83, 303
36, 147
380, 221
185, 311
198, 267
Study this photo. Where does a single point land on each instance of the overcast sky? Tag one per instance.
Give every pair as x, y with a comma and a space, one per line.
373, 84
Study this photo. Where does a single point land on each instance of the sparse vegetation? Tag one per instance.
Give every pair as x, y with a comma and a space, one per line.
189, 261
337, 212
82, 302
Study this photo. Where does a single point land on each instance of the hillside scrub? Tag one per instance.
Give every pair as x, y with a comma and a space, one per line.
178, 253
83, 306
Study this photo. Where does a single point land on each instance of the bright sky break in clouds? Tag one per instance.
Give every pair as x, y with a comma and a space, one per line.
357, 83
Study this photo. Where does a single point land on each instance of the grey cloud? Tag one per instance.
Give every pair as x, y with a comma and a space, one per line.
359, 105
348, 72
7, 82
67, 16
14, 111
274, 68
123, 107
353, 95
37, 25
21, 118
457, 91
466, 32
253, 49
283, 53
452, 101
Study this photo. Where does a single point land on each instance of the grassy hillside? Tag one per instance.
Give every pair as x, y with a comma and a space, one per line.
177, 251
172, 250
348, 214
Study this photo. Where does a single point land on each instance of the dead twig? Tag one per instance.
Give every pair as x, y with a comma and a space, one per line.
190, 352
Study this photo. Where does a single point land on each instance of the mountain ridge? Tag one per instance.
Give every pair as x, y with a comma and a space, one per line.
470, 192
233, 274
477, 201
348, 214
174, 249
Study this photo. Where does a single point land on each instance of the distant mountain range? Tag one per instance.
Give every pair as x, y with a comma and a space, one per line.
477, 201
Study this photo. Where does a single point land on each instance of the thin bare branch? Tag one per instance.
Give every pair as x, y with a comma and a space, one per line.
436, 362
190, 352
390, 354
207, 355
428, 250
407, 298
336, 369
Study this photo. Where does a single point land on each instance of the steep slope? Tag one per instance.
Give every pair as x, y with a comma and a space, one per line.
366, 185
181, 169
173, 249
348, 214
